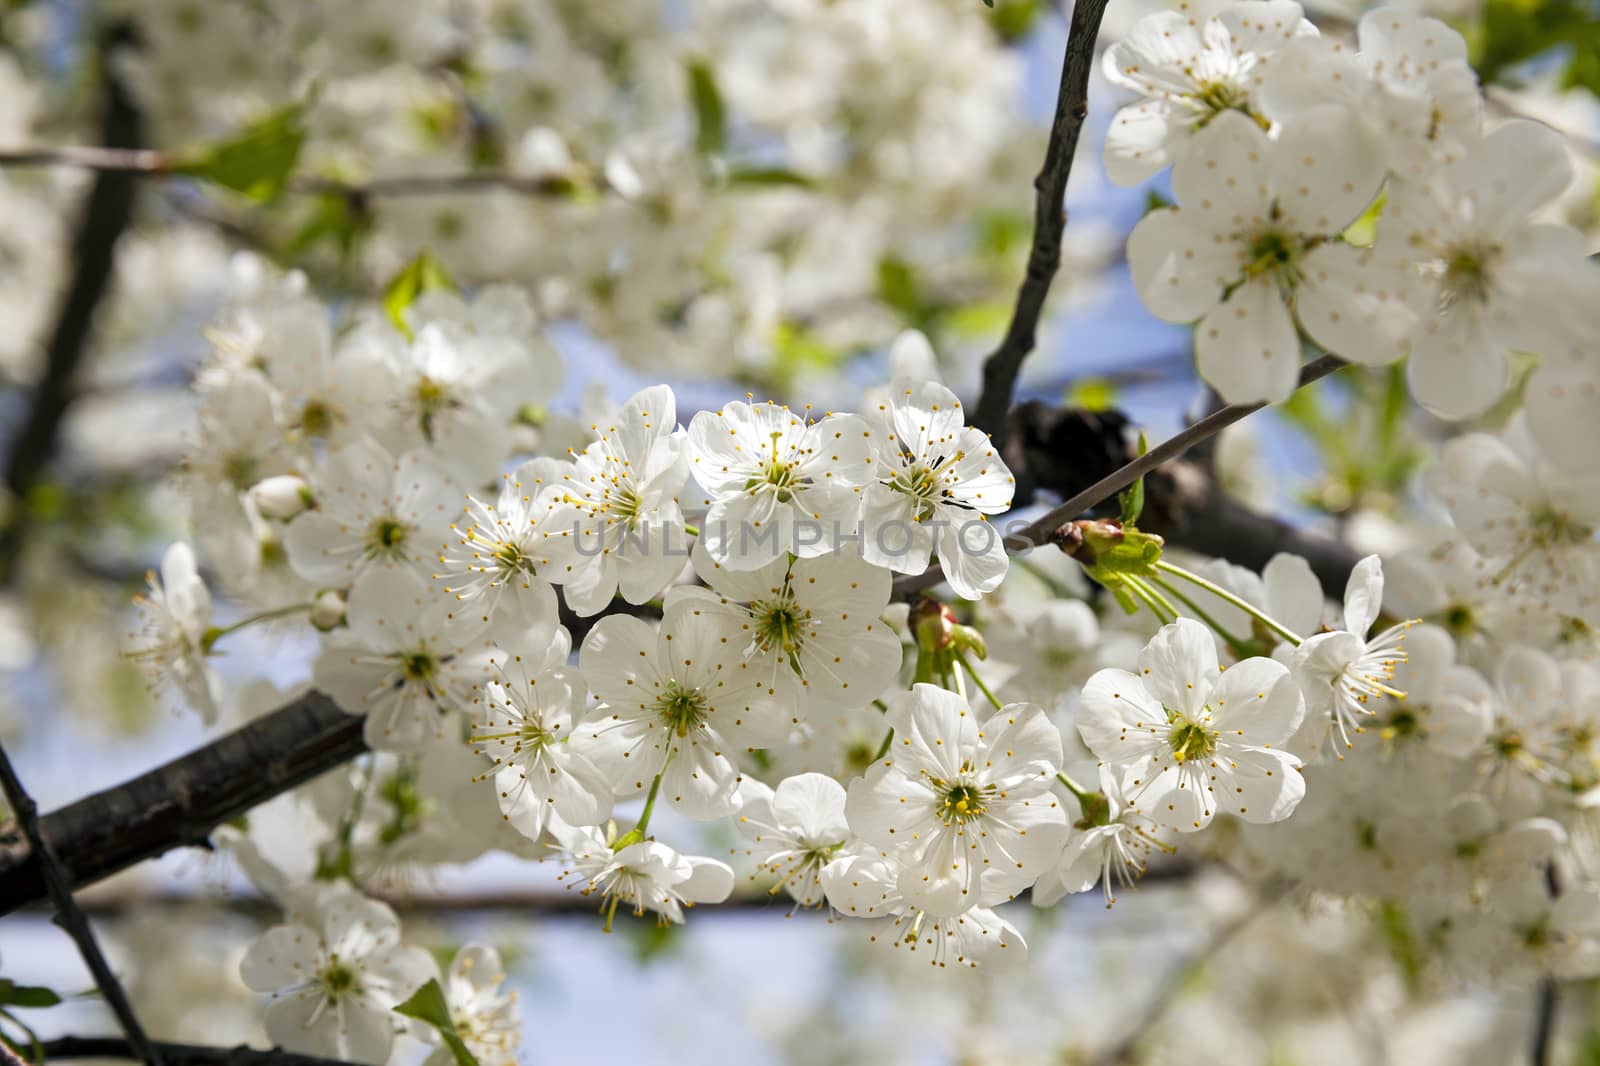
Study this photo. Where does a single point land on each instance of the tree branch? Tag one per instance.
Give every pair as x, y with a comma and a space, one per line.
69, 917
180, 803
1038, 532
106, 215
1000, 370
126, 163
109, 1047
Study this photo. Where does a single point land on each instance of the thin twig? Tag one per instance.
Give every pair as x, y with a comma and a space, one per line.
1000, 370
68, 915
149, 163
1547, 996
106, 215
1038, 532
109, 1047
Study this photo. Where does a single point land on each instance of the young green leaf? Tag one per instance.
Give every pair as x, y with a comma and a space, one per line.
258, 160
1132, 497
711, 134
15, 995
428, 1005
423, 274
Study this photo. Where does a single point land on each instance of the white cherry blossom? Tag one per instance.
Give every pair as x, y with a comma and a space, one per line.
863, 883
1189, 74
171, 643
484, 1014
812, 628
778, 482
532, 708
795, 830
967, 809
497, 553
1408, 84
646, 876
1483, 278
336, 971
408, 661
1254, 245
1190, 740
937, 481
615, 523
679, 701
374, 511
1342, 672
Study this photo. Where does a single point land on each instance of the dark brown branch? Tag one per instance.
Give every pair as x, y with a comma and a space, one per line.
109, 1047
106, 215
1000, 370
68, 915
1038, 532
180, 803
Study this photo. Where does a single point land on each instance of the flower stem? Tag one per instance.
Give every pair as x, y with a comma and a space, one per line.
1227, 597
1238, 647
216, 633
649, 805
1143, 591
1073, 787
961, 657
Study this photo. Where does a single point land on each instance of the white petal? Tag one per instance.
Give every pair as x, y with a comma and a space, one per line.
1247, 349
1178, 267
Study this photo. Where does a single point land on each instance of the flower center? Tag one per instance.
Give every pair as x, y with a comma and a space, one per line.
963, 802
337, 979
681, 709
432, 399
1403, 721
1214, 97
1551, 527
1276, 254
1191, 740
386, 537
1467, 273
239, 470
779, 476
510, 556
417, 666
316, 419
780, 626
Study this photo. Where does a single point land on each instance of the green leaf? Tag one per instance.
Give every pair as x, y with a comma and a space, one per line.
1515, 31
428, 1005
768, 176
423, 274
1092, 394
1364, 230
711, 134
1132, 497
988, 3
15, 995
898, 287
257, 161
334, 220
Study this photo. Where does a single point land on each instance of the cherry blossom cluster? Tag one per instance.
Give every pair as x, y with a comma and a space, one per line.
1282, 142
594, 641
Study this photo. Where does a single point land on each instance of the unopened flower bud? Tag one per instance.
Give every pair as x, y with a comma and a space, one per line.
1088, 538
933, 624
281, 497
967, 639
327, 610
